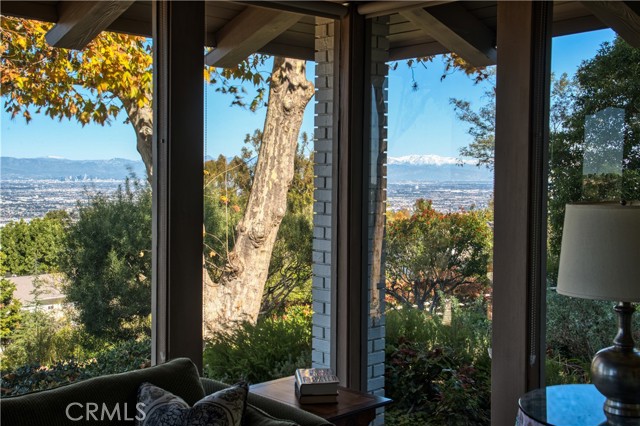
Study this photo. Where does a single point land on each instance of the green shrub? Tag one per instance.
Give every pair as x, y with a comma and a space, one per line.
125, 356
272, 348
562, 371
436, 373
107, 263
578, 328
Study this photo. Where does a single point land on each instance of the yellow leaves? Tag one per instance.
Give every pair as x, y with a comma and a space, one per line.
212, 254
224, 199
21, 42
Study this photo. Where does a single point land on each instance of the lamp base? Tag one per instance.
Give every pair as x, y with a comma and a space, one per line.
615, 371
618, 408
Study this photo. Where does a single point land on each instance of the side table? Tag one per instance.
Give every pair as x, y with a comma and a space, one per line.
567, 405
353, 408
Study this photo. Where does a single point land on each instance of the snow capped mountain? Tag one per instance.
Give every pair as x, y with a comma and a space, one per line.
434, 168
425, 160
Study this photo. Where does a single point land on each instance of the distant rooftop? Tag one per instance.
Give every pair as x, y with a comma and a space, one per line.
51, 294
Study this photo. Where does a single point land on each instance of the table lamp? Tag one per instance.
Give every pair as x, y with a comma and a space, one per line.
600, 259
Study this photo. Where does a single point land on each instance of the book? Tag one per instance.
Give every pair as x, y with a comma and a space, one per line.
316, 399
316, 381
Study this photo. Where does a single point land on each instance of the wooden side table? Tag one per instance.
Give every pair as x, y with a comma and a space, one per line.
353, 408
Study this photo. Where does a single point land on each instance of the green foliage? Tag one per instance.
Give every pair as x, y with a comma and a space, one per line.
42, 336
607, 80
578, 328
108, 263
272, 348
435, 373
10, 314
481, 128
125, 356
432, 252
289, 279
33, 247
565, 371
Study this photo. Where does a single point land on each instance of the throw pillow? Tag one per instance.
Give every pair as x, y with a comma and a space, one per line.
157, 407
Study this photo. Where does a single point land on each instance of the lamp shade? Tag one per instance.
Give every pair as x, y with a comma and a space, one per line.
600, 252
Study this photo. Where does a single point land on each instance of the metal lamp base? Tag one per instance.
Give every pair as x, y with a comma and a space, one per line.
615, 371
618, 408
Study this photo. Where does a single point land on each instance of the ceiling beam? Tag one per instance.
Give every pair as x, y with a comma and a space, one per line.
374, 9
457, 30
79, 22
295, 52
245, 34
29, 10
416, 50
324, 9
622, 17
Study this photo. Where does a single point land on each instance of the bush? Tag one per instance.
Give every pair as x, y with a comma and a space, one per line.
33, 247
578, 328
125, 356
272, 348
436, 373
107, 263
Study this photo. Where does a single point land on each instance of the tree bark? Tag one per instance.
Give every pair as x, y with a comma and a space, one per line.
238, 294
141, 118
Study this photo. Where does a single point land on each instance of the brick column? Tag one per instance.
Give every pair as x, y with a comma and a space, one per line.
323, 141
325, 126
377, 181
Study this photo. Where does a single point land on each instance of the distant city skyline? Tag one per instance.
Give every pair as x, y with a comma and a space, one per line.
421, 119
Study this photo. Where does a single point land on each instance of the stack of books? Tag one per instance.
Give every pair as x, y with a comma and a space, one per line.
316, 386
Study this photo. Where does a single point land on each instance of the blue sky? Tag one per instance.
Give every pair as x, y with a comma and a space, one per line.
420, 121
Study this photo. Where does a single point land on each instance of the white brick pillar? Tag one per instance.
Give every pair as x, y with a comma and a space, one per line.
375, 186
377, 182
323, 142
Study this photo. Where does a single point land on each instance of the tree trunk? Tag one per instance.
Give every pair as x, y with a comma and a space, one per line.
238, 293
141, 118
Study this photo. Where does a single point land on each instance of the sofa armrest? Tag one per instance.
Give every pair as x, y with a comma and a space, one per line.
274, 408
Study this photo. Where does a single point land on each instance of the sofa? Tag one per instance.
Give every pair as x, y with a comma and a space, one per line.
180, 377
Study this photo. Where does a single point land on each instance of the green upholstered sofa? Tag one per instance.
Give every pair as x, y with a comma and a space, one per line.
180, 377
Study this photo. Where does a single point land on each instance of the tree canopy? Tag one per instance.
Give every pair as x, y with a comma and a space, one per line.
107, 262
609, 79
113, 74
33, 247
430, 252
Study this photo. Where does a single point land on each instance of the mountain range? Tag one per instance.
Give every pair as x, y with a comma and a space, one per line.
435, 168
12, 168
430, 168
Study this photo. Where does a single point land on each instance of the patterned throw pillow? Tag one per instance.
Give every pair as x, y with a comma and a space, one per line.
162, 408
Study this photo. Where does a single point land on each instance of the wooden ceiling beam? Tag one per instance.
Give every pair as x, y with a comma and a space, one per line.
623, 17
79, 22
295, 52
30, 10
374, 9
324, 9
458, 30
247, 33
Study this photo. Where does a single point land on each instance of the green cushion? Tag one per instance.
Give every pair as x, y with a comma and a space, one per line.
179, 376
254, 416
